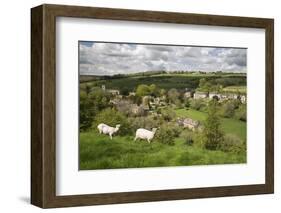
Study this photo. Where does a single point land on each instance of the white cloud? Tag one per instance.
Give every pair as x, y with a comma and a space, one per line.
114, 58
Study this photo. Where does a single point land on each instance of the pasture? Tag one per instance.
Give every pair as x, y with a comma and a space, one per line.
149, 100
99, 152
229, 125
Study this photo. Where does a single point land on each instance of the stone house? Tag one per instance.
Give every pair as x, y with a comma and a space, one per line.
188, 123
214, 95
187, 95
199, 95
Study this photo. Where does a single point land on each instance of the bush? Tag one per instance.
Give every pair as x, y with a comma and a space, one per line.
229, 107
165, 135
168, 114
90, 103
241, 113
148, 122
197, 104
188, 137
112, 117
232, 143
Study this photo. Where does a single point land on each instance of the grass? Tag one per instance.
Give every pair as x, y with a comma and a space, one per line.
229, 125
235, 89
99, 152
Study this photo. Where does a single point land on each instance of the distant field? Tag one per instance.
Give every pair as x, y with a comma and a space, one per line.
230, 126
167, 81
99, 152
235, 89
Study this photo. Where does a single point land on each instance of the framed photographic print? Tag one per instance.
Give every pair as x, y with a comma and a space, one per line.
136, 106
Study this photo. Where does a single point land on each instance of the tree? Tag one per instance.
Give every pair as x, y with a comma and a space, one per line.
202, 82
162, 92
168, 114
229, 107
90, 104
173, 95
197, 104
143, 90
124, 91
153, 90
212, 133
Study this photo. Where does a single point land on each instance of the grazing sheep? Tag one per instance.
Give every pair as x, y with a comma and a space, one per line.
108, 130
145, 134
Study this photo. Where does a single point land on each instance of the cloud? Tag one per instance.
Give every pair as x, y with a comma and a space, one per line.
114, 58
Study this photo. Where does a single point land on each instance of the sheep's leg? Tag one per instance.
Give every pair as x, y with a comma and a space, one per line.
148, 140
110, 135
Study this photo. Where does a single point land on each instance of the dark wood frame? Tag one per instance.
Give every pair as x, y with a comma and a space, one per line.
43, 105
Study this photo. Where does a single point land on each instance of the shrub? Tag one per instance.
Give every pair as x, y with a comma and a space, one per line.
124, 107
188, 137
241, 113
232, 143
229, 107
165, 135
112, 117
173, 95
168, 114
187, 103
90, 103
148, 122
197, 104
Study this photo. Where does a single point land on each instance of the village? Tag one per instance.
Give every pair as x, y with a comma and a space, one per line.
151, 105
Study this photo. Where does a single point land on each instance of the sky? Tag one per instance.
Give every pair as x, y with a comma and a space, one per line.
97, 58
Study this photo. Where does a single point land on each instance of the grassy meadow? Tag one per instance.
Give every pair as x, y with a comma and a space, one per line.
99, 152
229, 125
173, 145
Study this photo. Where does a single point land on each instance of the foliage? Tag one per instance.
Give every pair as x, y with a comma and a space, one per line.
187, 103
90, 104
154, 91
167, 81
232, 143
212, 133
143, 90
188, 137
241, 113
112, 117
229, 107
173, 96
124, 90
168, 113
197, 104
147, 122
166, 135
124, 106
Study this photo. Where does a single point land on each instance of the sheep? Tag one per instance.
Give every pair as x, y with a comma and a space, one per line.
108, 130
145, 134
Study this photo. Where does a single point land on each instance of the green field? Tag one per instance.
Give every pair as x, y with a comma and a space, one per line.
229, 126
236, 89
99, 152
166, 81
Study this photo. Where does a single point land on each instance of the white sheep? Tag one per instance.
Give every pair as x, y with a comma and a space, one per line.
108, 130
145, 134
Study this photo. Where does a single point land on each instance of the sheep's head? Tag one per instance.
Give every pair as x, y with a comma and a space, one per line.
118, 126
154, 130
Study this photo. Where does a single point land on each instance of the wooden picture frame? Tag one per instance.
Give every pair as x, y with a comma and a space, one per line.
43, 105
